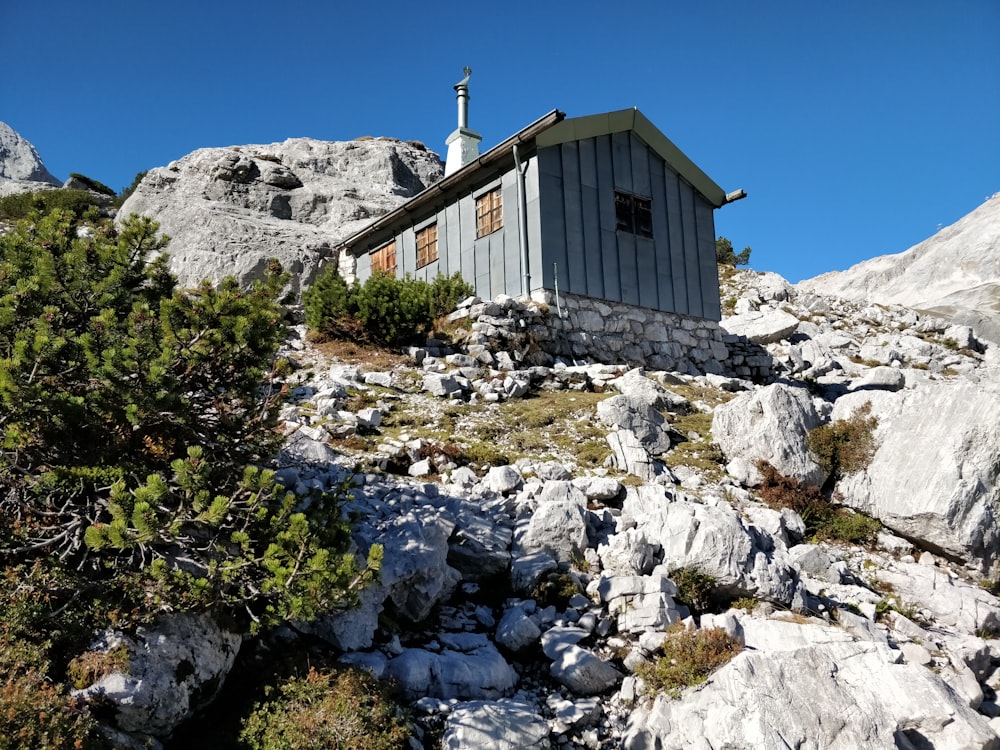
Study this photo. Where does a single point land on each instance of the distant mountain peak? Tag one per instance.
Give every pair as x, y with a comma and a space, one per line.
19, 160
954, 274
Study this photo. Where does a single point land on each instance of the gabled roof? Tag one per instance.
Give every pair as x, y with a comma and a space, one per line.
592, 126
551, 130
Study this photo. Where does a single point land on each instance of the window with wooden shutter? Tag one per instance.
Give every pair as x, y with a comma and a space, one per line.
489, 213
427, 245
384, 259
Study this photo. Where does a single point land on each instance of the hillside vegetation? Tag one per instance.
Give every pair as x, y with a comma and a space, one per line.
137, 421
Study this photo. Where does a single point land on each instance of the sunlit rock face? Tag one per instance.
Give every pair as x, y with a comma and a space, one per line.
229, 210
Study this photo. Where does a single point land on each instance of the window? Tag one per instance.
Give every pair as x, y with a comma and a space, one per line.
489, 213
634, 214
384, 259
427, 245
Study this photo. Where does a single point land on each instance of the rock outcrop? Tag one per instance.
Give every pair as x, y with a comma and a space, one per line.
228, 210
21, 168
935, 474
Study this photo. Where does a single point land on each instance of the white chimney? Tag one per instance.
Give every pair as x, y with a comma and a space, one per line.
463, 144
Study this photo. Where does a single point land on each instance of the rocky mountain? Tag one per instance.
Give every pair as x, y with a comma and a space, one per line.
21, 169
228, 210
955, 274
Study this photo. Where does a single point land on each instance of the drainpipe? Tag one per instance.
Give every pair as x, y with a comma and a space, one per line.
522, 222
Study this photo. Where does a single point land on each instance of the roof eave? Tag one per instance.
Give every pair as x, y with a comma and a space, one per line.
495, 154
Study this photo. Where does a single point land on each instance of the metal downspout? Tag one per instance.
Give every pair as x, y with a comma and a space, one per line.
522, 222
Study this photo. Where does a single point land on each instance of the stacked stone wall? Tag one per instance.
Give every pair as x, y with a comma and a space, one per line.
574, 327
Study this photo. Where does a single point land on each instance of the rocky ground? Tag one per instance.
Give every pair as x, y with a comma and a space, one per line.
541, 525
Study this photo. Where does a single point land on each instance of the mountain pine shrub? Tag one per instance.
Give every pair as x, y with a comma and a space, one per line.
20, 205
384, 310
135, 418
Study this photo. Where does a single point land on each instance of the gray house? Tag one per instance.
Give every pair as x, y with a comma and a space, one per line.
603, 206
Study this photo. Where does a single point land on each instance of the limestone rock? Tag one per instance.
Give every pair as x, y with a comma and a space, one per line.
583, 672
954, 274
516, 630
855, 699
639, 418
770, 424
228, 210
505, 724
934, 477
715, 541
558, 526
762, 326
477, 673
174, 668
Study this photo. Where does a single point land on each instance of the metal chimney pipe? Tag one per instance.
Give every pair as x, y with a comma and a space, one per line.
462, 94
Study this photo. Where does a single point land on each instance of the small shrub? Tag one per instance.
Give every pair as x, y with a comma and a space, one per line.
823, 520
747, 603
846, 445
335, 710
555, 589
92, 184
845, 525
687, 658
36, 713
694, 589
20, 205
779, 491
91, 666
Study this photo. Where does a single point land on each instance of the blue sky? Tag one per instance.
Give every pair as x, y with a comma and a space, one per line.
858, 128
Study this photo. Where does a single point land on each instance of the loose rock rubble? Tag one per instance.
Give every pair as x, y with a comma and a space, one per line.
524, 598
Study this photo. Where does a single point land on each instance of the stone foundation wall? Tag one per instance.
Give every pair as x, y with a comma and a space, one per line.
584, 328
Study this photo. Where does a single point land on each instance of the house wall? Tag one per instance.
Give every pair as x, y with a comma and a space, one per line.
492, 264
585, 254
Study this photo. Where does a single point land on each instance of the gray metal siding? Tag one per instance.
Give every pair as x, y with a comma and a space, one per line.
705, 226
674, 270
607, 223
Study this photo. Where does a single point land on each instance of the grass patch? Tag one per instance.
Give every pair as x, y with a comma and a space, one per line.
688, 657
698, 451
845, 445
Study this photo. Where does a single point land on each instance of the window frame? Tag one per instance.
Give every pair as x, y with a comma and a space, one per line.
489, 220
634, 214
379, 257
427, 245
